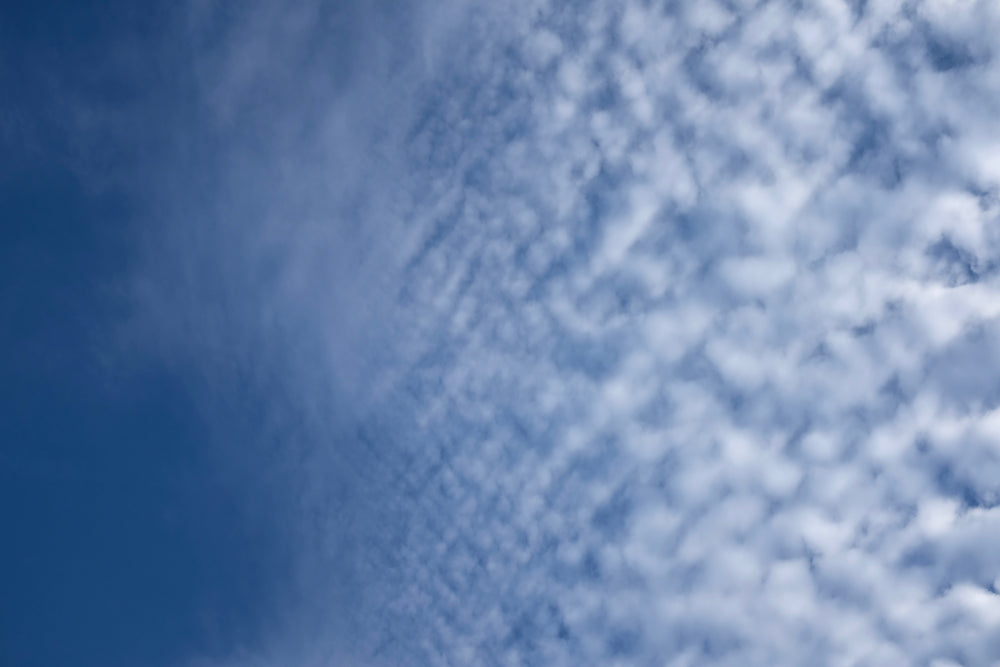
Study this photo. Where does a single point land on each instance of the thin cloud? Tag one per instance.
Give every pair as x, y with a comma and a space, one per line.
653, 335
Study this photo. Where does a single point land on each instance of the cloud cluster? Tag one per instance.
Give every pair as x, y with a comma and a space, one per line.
677, 324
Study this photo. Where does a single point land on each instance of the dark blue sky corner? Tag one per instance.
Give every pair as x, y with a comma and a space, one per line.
124, 545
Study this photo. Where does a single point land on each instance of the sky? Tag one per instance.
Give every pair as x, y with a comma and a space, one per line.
610, 332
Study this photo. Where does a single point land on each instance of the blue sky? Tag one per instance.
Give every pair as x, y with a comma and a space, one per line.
537, 333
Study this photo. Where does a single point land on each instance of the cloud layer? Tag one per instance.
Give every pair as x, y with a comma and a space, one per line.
653, 333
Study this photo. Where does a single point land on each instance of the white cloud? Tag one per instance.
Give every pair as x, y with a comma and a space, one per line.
643, 313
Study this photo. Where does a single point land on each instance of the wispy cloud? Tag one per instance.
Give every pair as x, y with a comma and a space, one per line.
616, 333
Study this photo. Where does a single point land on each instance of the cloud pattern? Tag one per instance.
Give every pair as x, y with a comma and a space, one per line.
682, 336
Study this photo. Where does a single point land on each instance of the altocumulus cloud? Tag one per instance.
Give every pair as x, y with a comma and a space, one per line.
606, 332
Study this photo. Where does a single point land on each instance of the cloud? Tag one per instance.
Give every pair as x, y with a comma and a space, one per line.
615, 333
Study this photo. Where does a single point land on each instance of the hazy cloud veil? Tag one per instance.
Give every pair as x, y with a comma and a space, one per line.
652, 333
